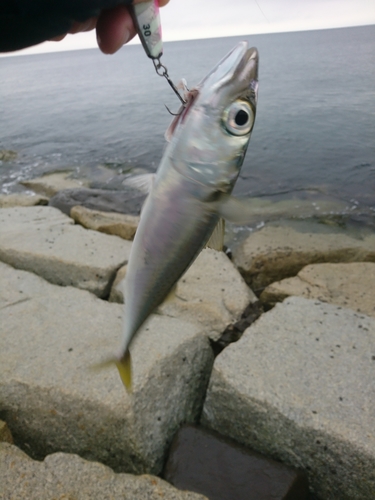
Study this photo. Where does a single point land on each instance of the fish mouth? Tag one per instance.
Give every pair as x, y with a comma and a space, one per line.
235, 76
250, 63
245, 77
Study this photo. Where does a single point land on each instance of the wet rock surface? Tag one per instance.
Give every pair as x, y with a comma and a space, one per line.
47, 242
52, 400
22, 200
298, 386
275, 253
67, 476
7, 155
350, 285
207, 463
50, 184
127, 201
264, 210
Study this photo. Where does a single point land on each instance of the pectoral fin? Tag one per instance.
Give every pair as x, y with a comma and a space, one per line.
235, 210
143, 183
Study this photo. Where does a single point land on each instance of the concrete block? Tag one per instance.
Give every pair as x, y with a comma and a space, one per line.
52, 400
299, 387
126, 201
45, 241
275, 253
212, 293
67, 476
349, 285
122, 225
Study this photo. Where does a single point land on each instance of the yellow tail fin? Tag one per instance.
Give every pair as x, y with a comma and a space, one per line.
124, 366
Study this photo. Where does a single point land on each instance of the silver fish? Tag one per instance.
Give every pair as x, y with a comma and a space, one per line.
190, 191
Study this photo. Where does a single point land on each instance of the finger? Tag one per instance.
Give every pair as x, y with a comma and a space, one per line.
114, 28
88, 25
161, 2
77, 27
57, 38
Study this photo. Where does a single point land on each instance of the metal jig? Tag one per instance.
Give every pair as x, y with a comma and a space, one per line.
146, 19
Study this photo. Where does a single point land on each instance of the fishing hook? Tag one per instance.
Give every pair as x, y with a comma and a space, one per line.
162, 70
171, 113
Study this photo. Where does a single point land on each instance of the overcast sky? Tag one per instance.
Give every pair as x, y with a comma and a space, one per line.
187, 19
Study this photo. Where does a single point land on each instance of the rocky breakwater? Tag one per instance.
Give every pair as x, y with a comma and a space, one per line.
53, 401
54, 327
297, 386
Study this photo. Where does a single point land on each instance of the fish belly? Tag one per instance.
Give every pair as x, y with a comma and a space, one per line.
174, 228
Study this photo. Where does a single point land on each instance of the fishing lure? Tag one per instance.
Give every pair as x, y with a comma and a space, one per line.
147, 22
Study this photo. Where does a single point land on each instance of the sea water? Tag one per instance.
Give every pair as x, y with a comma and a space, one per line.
314, 136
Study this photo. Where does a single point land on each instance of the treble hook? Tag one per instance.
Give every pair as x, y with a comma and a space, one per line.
162, 70
174, 114
147, 22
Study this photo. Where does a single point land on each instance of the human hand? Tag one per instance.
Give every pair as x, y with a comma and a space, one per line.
114, 27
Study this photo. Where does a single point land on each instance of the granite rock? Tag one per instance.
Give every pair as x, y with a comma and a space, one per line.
51, 336
122, 225
211, 293
22, 200
275, 253
45, 241
127, 201
298, 386
50, 184
350, 285
67, 476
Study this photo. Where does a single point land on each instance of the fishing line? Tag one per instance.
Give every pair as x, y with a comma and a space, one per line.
256, 1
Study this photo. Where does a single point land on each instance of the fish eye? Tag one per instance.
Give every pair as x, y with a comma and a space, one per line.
239, 118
